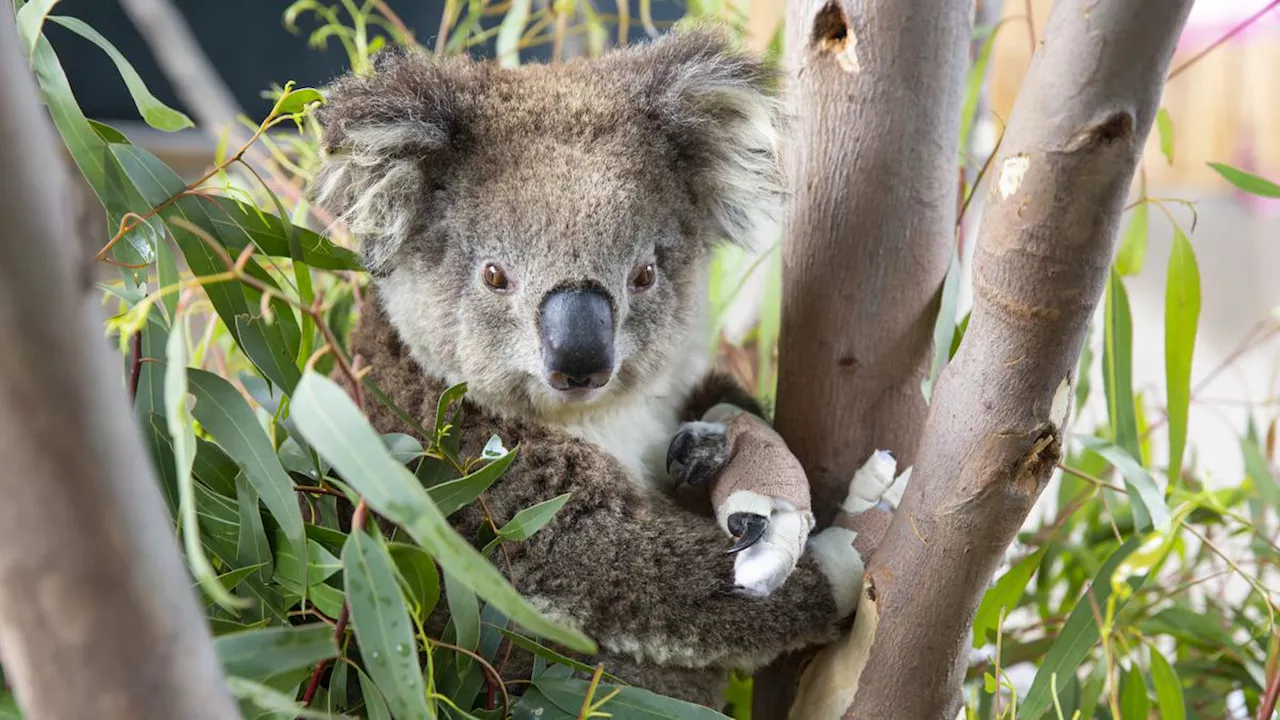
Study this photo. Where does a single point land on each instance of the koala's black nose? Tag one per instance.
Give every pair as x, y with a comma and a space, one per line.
577, 338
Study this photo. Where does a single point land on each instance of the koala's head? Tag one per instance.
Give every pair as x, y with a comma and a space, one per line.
543, 232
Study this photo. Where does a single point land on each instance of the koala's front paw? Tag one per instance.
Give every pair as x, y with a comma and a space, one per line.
771, 535
697, 453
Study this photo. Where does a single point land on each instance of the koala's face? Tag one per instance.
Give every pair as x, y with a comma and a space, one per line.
543, 233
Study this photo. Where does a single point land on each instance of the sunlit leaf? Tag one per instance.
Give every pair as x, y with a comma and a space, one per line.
1134, 703
510, 32
155, 113
297, 100
382, 626
1147, 499
1181, 318
1164, 127
531, 519
1133, 244
1168, 688
1005, 595
334, 425
1247, 182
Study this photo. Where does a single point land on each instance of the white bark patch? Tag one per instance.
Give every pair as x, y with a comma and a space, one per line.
1011, 173
1061, 406
830, 682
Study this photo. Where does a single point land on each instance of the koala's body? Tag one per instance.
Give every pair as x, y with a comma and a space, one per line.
543, 233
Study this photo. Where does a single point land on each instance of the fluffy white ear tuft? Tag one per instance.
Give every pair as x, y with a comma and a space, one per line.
383, 134
718, 108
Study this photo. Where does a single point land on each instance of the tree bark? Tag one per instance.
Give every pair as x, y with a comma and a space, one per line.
98, 618
995, 429
874, 89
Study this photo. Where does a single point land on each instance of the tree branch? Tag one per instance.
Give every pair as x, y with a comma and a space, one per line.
97, 614
996, 427
875, 96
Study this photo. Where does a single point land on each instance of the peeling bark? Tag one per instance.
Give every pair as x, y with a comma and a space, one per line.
994, 432
98, 618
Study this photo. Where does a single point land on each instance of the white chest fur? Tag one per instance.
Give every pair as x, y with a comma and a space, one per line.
637, 431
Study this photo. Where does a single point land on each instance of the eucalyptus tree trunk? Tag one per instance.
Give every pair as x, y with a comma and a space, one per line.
996, 426
98, 618
874, 89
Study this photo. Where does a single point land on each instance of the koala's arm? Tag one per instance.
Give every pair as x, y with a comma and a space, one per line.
648, 579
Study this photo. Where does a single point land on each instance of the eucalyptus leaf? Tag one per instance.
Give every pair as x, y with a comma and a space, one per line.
259, 654
1181, 318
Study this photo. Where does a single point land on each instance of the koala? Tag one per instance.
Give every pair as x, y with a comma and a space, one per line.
543, 233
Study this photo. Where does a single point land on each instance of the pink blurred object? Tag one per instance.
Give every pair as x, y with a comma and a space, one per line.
1211, 19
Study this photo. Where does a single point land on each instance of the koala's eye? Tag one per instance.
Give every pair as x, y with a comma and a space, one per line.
495, 277
643, 276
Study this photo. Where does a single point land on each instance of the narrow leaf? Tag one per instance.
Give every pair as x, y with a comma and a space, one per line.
1117, 360
1147, 499
418, 571
1164, 127
454, 495
1168, 688
510, 32
944, 326
183, 437
155, 113
1247, 182
334, 425
1181, 318
1004, 595
259, 654
1134, 703
382, 626
1133, 246
531, 519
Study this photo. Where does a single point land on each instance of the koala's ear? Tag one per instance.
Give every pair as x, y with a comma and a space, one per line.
718, 108
386, 136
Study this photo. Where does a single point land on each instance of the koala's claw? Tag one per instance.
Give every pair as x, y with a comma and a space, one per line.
697, 453
748, 528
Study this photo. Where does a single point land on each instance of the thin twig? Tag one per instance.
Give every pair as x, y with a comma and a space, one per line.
1216, 43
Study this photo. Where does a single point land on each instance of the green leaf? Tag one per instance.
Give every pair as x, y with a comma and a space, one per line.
227, 417
374, 704
268, 698
1258, 470
295, 101
237, 224
1078, 635
1146, 498
1005, 595
531, 519
1247, 182
973, 87
404, 448
509, 33
332, 423
183, 435
944, 326
454, 495
260, 654
1181, 318
321, 564
1168, 688
155, 113
1134, 703
464, 615
252, 547
30, 20
418, 571
631, 703
547, 653
1117, 363
1164, 126
1133, 246
989, 683
382, 626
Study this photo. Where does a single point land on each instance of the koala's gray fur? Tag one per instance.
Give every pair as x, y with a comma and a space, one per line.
563, 175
